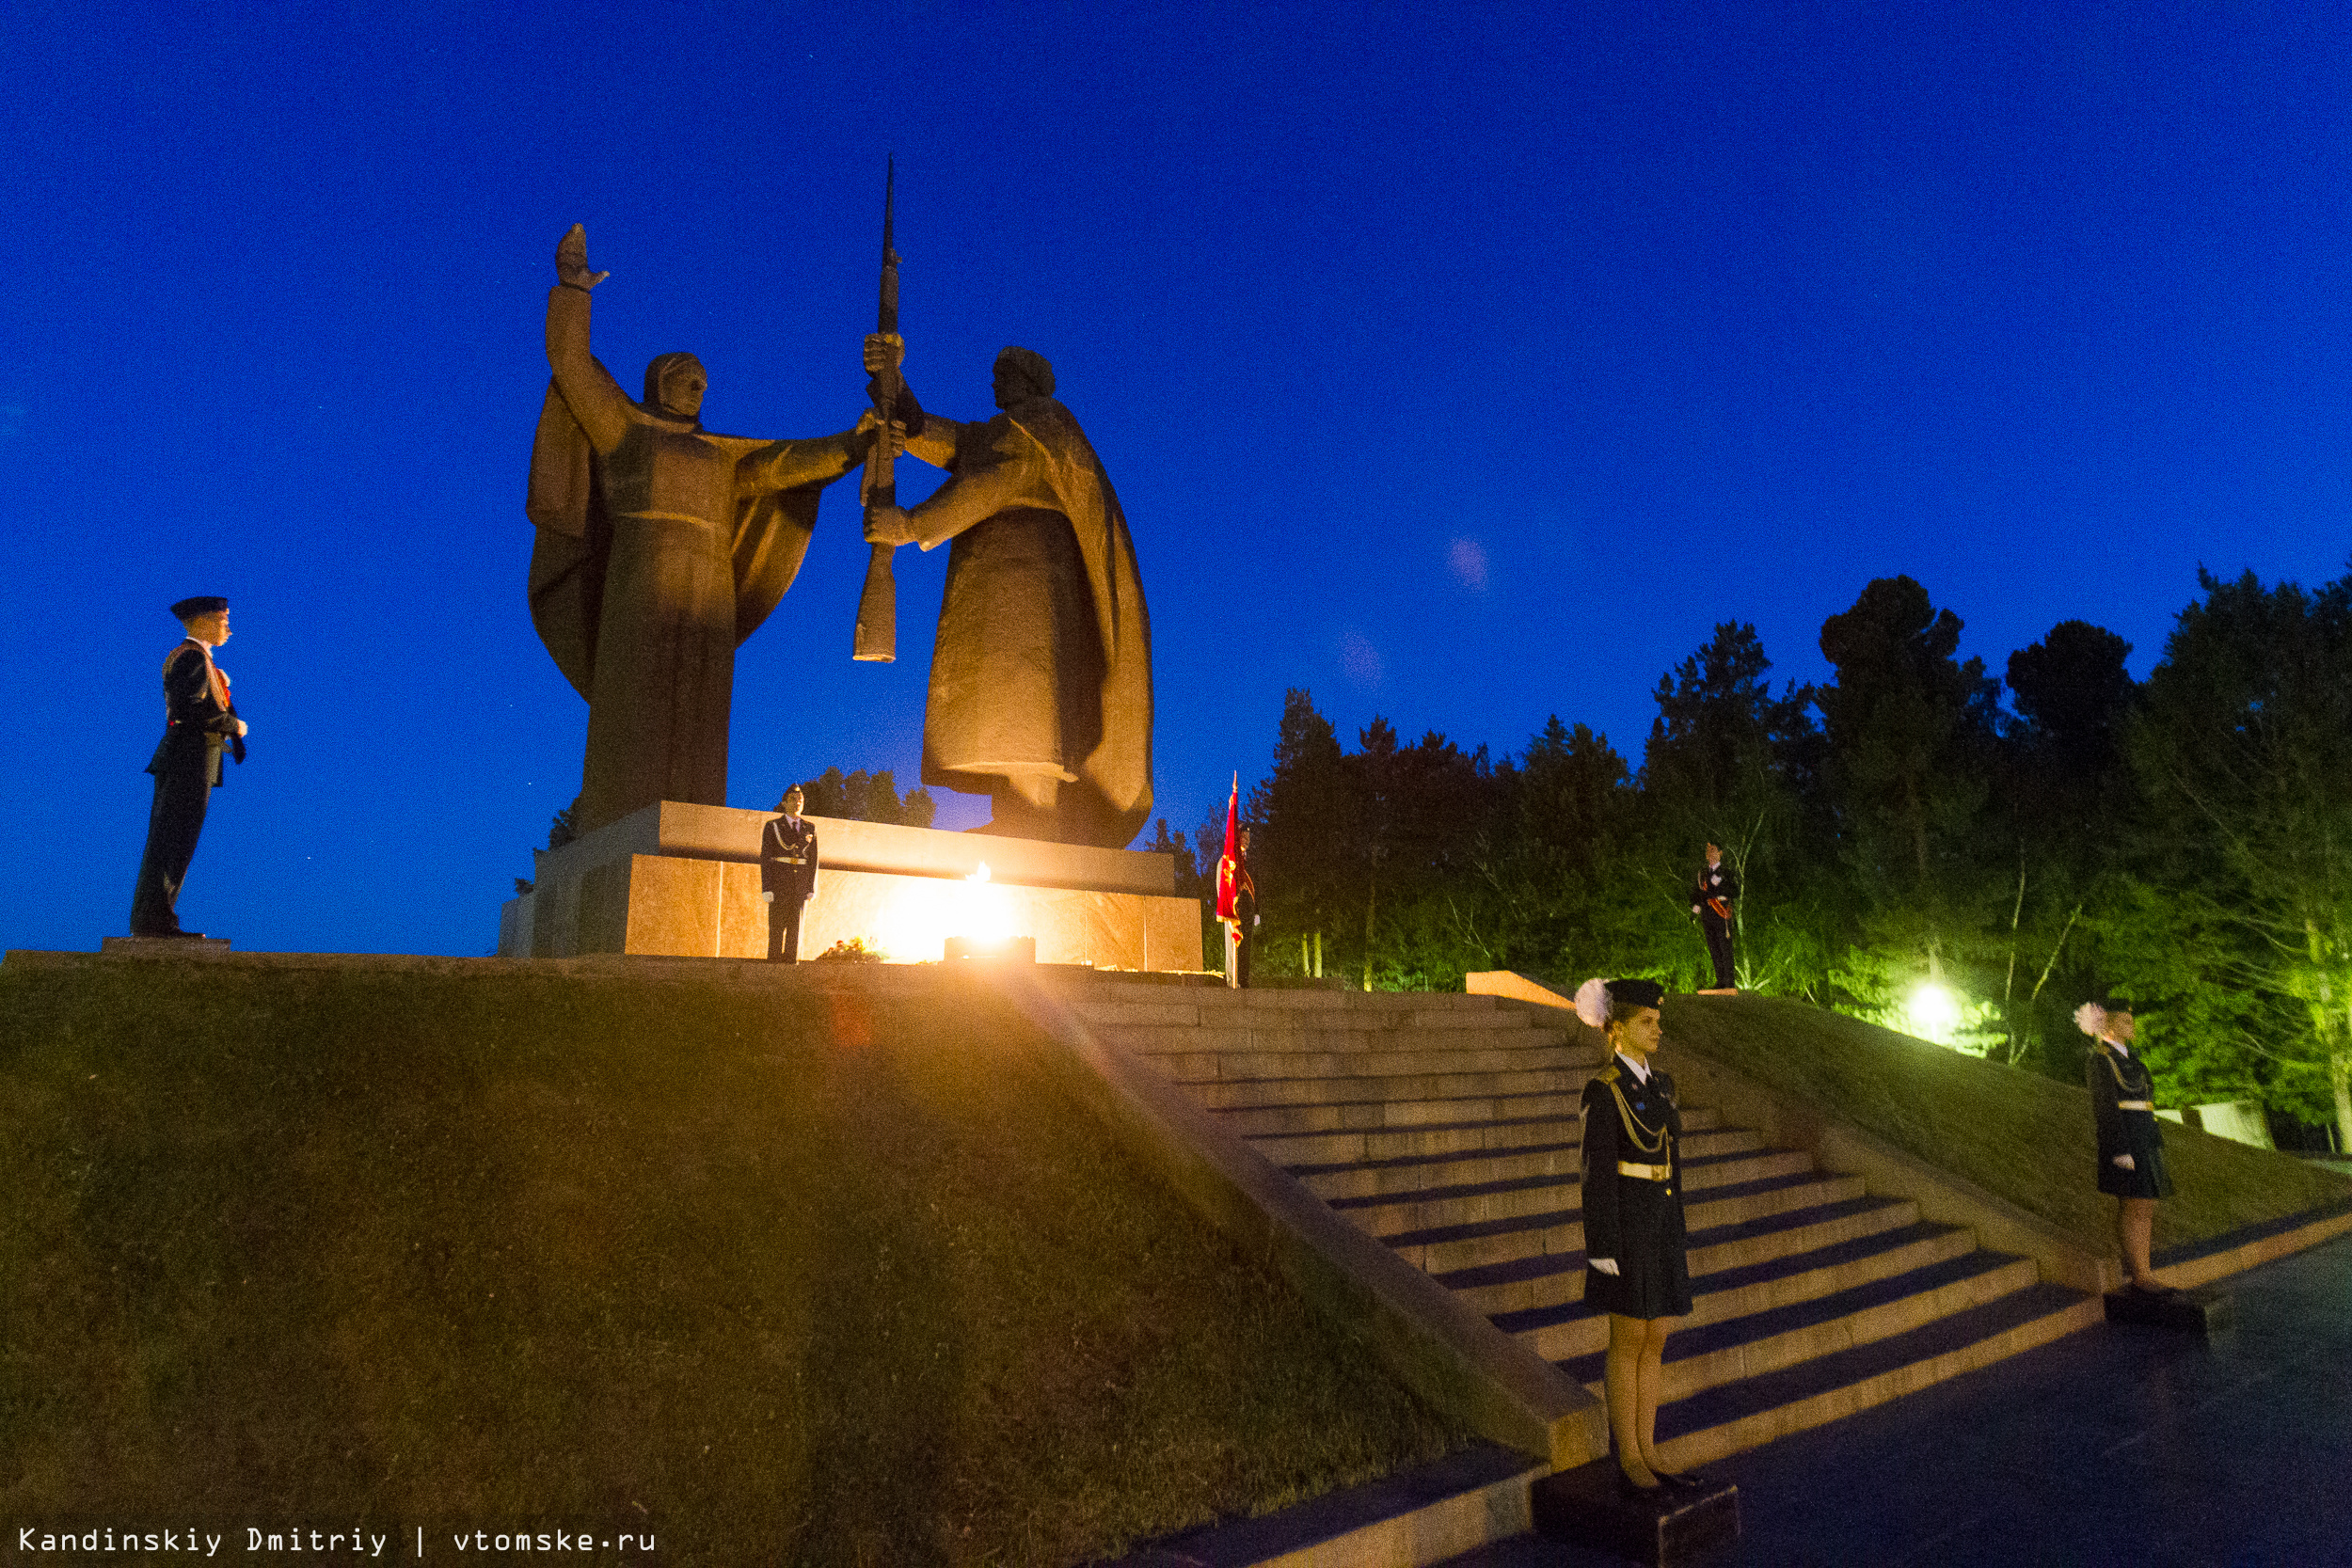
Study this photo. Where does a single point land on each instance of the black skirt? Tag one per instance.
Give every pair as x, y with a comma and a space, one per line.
1653, 1278
2144, 1143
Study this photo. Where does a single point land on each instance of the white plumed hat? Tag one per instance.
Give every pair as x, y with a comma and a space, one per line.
1592, 1002
2091, 1019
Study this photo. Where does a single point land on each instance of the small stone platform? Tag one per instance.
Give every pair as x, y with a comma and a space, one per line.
1588, 1507
2203, 1311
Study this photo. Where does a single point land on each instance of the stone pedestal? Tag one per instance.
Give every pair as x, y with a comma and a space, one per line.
162, 947
1012, 950
1585, 1507
683, 881
2199, 1311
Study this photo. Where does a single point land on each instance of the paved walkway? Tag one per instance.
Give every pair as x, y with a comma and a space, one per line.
2117, 1445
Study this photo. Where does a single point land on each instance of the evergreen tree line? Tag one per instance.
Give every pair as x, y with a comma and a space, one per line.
1917, 842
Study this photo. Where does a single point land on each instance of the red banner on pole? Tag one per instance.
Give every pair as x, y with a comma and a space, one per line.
1230, 863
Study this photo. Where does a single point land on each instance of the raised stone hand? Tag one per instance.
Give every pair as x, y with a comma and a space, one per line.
571, 260
883, 350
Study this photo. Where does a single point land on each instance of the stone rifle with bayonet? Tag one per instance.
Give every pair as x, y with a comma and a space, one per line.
878, 605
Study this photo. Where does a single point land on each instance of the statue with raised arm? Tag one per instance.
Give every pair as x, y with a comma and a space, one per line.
661, 548
1040, 693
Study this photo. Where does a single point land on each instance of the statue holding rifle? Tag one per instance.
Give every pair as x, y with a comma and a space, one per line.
662, 547
1040, 690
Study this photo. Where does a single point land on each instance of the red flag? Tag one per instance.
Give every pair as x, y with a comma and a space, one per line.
1230, 862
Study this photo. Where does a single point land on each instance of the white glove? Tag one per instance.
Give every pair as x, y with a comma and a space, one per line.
1606, 1265
767, 898
2123, 1162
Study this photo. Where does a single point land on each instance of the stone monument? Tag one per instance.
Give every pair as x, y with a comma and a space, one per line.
1040, 689
661, 548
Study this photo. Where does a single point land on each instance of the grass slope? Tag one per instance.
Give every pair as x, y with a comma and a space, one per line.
835, 1271
2012, 1131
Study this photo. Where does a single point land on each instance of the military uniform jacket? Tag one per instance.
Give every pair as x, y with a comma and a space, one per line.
1634, 1218
2123, 1104
199, 717
1713, 890
787, 858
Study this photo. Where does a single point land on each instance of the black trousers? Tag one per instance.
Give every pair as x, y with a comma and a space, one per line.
1718, 948
783, 929
182, 790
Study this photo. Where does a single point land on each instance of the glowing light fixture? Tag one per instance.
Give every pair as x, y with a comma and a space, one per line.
1933, 1013
923, 913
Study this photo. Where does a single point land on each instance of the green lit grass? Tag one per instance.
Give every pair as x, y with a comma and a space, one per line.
523, 1250
2012, 1131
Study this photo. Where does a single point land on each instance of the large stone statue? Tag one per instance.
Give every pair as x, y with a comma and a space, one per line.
1040, 692
661, 548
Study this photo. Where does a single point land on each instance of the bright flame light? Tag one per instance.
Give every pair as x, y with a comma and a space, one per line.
923, 913
1933, 1013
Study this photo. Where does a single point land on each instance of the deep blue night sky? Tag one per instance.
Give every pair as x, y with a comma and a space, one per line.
1464, 372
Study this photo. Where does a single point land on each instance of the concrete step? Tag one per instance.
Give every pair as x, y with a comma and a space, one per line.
1469, 1202
1530, 1053
1365, 1115
1421, 1173
1445, 1248
1147, 1012
1231, 1094
1219, 998
1540, 1280
1399, 1178
1704, 1173
1731, 1416
1736, 1244
1348, 1145
1187, 1040
1560, 1330
1784, 1337
1418, 1518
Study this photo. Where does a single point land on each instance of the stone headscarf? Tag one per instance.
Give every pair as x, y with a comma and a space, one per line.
1032, 366
662, 365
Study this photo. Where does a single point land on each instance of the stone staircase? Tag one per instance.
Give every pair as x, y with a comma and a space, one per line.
1446, 1126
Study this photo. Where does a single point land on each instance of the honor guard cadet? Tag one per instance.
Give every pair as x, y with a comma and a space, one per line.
788, 875
2131, 1147
200, 722
1636, 1269
1712, 893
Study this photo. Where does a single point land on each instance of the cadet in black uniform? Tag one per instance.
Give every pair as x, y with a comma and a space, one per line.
1245, 913
788, 875
1712, 893
2131, 1147
200, 722
1635, 1266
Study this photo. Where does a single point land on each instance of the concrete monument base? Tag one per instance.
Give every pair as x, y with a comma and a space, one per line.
162, 947
683, 881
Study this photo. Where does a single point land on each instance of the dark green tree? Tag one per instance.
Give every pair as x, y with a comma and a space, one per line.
1564, 894
1910, 731
2068, 800
2240, 921
862, 796
1725, 765
1304, 847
